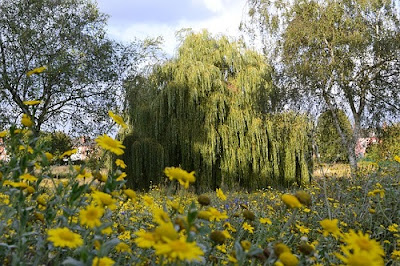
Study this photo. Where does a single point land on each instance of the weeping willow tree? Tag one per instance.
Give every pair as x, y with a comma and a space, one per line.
207, 111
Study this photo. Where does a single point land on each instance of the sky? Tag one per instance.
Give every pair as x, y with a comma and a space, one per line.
130, 19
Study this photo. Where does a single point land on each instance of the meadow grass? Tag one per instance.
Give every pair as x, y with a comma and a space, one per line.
91, 218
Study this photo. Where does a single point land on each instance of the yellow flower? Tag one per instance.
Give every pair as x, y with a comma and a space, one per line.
291, 201
49, 156
145, 239
330, 227
179, 249
91, 216
220, 194
359, 258
280, 248
3, 134
104, 261
397, 158
68, 153
265, 221
123, 247
42, 199
63, 237
216, 215
360, 242
104, 199
395, 255
246, 245
130, 193
166, 231
110, 144
121, 176
288, 259
28, 177
15, 184
394, 228
107, 231
248, 227
120, 163
183, 177
381, 193
35, 102
160, 216
37, 70
117, 119
148, 201
26, 120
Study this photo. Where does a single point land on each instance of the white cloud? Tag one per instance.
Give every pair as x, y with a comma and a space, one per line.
226, 18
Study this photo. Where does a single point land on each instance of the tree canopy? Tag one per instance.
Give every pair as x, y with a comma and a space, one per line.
207, 110
344, 54
57, 53
330, 148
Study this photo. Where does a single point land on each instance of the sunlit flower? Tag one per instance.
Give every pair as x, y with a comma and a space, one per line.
220, 194
374, 192
359, 241
104, 199
397, 158
104, 261
360, 257
110, 144
217, 215
248, 227
394, 228
330, 227
26, 120
130, 193
3, 134
68, 153
34, 102
120, 163
291, 201
91, 216
63, 237
160, 216
121, 176
37, 70
166, 231
148, 201
288, 259
265, 221
117, 119
246, 245
49, 156
179, 249
28, 177
145, 239
15, 184
183, 177
123, 247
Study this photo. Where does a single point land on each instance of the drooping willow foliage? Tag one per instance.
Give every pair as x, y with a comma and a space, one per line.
207, 110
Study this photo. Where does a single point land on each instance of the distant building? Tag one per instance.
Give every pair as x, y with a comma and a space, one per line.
3, 152
362, 145
85, 147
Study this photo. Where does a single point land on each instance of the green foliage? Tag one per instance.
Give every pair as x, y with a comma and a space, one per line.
328, 140
56, 142
206, 110
80, 66
388, 145
334, 54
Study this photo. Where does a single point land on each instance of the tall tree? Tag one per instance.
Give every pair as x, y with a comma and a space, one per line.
57, 52
207, 110
330, 148
345, 54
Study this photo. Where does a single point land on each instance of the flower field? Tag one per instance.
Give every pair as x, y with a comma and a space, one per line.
91, 218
